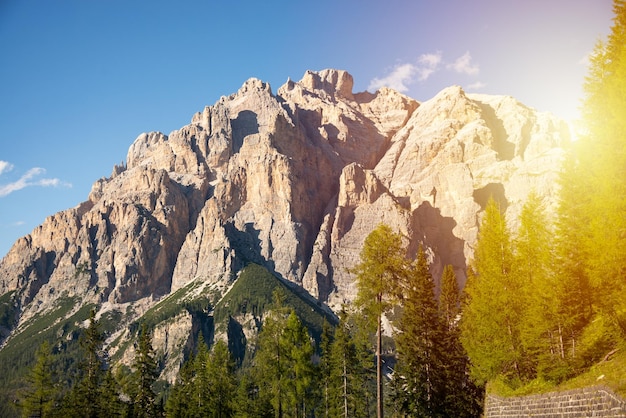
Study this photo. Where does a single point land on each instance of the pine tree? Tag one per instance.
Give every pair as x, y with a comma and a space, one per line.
381, 267
450, 298
493, 311
109, 399
84, 398
201, 383
325, 367
145, 374
271, 359
179, 403
221, 381
298, 348
348, 374
599, 164
283, 364
41, 395
463, 397
420, 375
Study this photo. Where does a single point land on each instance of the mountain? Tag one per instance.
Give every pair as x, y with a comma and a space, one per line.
291, 183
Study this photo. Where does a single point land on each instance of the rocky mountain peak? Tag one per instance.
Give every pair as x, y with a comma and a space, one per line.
294, 182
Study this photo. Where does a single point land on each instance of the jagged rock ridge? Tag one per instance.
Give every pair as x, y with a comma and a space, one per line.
293, 181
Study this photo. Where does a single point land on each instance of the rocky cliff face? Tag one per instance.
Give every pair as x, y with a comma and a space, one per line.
293, 181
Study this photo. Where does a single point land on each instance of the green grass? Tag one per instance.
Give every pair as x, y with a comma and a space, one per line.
172, 306
610, 373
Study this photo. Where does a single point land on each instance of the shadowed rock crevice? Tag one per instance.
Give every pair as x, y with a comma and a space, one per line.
244, 124
492, 190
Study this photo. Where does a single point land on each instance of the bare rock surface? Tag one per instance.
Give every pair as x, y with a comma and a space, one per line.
293, 181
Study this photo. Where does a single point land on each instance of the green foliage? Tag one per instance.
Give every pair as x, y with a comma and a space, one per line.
382, 264
252, 293
596, 168
283, 369
572, 276
493, 308
348, 373
420, 375
171, 306
144, 376
450, 298
19, 353
40, 397
378, 274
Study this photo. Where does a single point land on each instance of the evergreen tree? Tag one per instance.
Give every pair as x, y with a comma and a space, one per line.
463, 397
381, 268
201, 383
493, 311
325, 367
532, 266
299, 351
41, 395
598, 164
271, 361
449, 299
180, 402
419, 379
348, 380
221, 380
110, 402
84, 399
145, 374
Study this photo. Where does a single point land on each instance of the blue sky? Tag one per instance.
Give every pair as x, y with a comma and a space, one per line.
80, 80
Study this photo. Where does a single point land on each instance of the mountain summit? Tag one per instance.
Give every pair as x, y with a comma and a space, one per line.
293, 182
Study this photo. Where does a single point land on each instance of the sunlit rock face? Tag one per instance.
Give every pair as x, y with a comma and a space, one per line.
293, 180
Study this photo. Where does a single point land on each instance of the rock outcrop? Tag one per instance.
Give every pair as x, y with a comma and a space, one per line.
293, 181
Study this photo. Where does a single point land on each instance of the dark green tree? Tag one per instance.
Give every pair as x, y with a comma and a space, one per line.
271, 359
449, 299
42, 393
382, 265
221, 380
201, 383
420, 375
283, 367
297, 345
84, 399
348, 372
110, 403
144, 376
325, 367
463, 397
180, 403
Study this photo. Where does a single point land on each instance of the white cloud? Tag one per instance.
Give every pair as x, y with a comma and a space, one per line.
27, 180
5, 166
464, 65
429, 63
404, 74
401, 76
476, 86
430, 60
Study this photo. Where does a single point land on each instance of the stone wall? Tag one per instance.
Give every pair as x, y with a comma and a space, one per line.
597, 401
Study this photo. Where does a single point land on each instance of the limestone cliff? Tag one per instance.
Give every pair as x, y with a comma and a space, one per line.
293, 181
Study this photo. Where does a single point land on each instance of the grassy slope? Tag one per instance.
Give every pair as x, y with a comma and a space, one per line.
252, 293
610, 373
